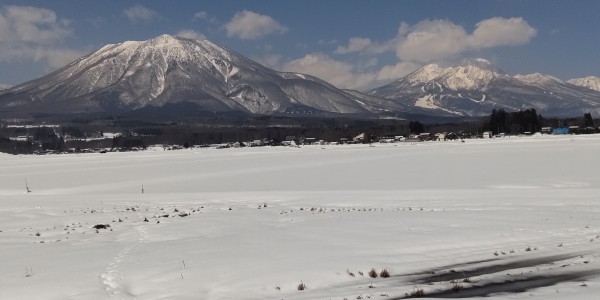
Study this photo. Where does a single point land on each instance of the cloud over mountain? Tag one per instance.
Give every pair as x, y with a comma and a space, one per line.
426, 41
140, 13
435, 40
248, 25
30, 33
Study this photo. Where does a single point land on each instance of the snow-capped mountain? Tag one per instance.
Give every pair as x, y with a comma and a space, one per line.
166, 70
591, 82
475, 87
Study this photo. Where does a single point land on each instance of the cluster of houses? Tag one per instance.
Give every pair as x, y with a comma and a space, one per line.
294, 141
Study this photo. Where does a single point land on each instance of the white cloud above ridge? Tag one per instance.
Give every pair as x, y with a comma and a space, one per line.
344, 74
435, 40
248, 25
425, 42
138, 13
32, 25
31, 33
364, 46
498, 31
191, 34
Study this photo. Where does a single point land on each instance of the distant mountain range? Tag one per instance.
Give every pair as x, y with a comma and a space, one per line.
476, 86
591, 82
166, 71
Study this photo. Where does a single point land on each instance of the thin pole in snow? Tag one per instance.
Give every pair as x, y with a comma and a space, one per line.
27, 186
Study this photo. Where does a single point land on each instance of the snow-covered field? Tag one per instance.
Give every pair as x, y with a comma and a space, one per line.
516, 218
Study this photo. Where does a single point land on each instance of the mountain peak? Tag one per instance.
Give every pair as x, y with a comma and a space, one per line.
165, 39
481, 64
470, 74
169, 69
537, 78
590, 82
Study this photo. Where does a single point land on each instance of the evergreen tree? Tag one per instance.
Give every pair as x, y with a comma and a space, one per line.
587, 120
415, 127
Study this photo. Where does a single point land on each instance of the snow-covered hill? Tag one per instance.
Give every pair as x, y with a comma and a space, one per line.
476, 86
591, 82
166, 70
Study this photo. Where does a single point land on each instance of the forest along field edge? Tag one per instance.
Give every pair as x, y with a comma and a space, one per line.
58, 136
512, 217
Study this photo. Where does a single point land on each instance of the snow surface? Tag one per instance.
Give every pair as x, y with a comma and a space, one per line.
455, 209
537, 79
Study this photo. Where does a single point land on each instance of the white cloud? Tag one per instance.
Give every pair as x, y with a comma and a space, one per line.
355, 44
363, 45
140, 13
338, 73
30, 33
434, 40
399, 70
425, 42
431, 40
273, 61
201, 15
58, 57
191, 34
348, 75
248, 25
501, 32
32, 25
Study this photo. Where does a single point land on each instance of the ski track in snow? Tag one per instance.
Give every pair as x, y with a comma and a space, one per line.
112, 277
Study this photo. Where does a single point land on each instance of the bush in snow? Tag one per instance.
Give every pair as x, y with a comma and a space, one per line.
373, 273
101, 226
350, 272
417, 293
384, 273
457, 287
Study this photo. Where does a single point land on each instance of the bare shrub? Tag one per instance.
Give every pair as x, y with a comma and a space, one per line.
384, 273
417, 292
457, 287
372, 273
101, 226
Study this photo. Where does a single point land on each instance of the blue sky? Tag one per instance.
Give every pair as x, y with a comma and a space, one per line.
351, 43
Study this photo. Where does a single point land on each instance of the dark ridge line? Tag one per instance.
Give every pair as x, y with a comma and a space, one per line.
445, 267
509, 286
460, 274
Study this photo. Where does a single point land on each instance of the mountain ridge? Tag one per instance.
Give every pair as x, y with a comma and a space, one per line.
167, 69
475, 89
132, 75
590, 82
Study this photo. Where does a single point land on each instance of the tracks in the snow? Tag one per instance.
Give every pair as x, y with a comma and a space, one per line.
112, 278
